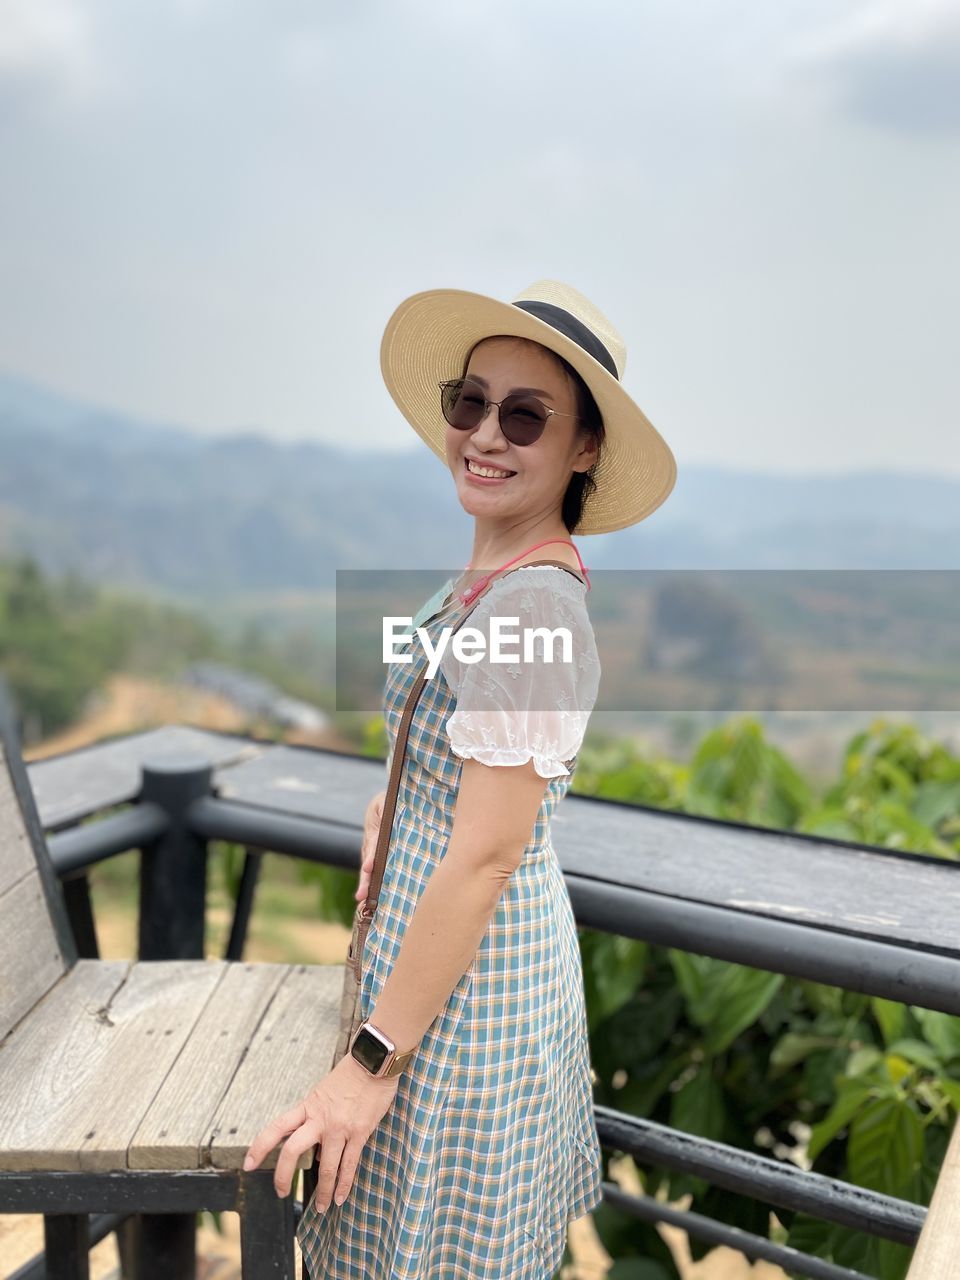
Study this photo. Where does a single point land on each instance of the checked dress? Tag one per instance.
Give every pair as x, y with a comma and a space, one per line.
490, 1147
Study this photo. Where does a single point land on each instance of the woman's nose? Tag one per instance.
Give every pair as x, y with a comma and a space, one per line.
487, 430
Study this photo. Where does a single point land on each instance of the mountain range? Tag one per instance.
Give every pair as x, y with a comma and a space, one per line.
131, 502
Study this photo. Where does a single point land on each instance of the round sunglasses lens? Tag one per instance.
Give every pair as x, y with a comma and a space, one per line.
522, 419
463, 404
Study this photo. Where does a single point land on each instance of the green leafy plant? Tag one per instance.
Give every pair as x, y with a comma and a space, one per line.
856, 1087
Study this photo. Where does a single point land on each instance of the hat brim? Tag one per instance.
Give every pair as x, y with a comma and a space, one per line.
426, 341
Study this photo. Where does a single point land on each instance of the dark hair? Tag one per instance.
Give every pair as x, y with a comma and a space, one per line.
582, 483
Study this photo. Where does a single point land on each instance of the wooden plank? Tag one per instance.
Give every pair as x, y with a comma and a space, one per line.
289, 1053
79, 783
23, 817
80, 1073
45, 1065
169, 1064
174, 1131
16, 851
31, 960
937, 1254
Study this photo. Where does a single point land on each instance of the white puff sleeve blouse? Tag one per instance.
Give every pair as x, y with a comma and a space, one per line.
511, 712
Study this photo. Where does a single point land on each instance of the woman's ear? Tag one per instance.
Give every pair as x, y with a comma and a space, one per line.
587, 454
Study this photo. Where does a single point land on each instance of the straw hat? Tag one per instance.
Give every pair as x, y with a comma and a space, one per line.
427, 340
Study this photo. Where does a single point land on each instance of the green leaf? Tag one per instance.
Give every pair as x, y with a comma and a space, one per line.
743, 995
890, 1016
935, 801
936, 1138
639, 1096
941, 1030
898, 778
834, 1243
854, 1249
794, 1047
691, 975
810, 1235
952, 1089
699, 1107
897, 1068
852, 1096
636, 1037
863, 1060
918, 1052
820, 1076
821, 998
616, 967
894, 1259
886, 1144
719, 994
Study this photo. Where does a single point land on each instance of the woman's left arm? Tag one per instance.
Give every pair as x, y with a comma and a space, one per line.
493, 822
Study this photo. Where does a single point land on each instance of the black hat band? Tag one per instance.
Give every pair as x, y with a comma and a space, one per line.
572, 328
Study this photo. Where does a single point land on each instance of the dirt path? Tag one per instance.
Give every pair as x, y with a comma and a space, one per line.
131, 704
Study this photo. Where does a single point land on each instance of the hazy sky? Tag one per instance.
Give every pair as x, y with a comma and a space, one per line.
209, 209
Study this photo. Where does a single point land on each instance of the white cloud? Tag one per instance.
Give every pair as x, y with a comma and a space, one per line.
890, 26
894, 63
50, 40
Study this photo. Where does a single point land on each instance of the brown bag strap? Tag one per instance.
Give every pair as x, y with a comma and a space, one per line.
365, 909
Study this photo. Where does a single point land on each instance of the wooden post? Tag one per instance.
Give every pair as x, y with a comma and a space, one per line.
937, 1255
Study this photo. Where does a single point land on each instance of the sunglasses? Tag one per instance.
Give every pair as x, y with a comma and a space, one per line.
522, 416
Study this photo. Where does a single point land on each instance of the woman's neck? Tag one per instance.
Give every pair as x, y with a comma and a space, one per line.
493, 547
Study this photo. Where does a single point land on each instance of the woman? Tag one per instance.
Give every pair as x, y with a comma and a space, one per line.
470, 1158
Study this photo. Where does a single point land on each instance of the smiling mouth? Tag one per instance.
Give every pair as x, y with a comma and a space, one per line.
487, 473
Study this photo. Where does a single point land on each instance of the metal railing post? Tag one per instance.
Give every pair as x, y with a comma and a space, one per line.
173, 869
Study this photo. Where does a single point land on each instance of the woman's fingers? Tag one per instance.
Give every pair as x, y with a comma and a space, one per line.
364, 881
331, 1150
348, 1168
367, 855
368, 849
271, 1134
300, 1140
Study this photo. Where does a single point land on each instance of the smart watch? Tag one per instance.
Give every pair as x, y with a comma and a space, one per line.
377, 1053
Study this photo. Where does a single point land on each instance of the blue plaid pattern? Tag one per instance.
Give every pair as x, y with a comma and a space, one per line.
490, 1147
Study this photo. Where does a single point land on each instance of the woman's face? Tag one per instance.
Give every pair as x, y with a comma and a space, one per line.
538, 474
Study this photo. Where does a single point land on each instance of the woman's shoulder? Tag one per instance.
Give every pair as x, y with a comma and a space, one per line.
567, 555
540, 579
538, 595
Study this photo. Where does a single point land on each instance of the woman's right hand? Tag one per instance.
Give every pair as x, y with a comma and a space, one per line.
371, 830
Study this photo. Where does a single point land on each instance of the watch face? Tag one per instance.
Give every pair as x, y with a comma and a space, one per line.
368, 1050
